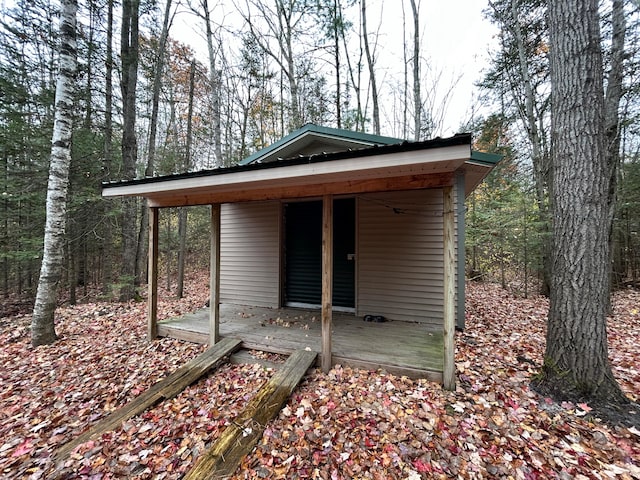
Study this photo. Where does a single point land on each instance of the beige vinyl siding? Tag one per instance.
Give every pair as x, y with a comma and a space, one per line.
400, 256
250, 254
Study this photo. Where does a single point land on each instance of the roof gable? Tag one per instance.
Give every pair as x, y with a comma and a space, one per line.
313, 139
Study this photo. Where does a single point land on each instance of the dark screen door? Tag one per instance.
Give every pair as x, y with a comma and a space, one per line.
303, 253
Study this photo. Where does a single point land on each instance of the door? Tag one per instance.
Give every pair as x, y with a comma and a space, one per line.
303, 253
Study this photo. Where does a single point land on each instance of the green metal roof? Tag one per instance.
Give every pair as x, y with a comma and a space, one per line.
489, 159
318, 132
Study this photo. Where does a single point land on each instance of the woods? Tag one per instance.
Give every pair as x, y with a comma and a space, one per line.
111, 92
252, 92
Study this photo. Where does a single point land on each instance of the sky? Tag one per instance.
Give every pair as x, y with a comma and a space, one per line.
456, 39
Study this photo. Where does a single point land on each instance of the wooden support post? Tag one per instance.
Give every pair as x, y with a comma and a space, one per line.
152, 281
460, 251
327, 280
449, 368
214, 278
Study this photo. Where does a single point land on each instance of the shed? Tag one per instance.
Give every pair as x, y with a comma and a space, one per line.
337, 221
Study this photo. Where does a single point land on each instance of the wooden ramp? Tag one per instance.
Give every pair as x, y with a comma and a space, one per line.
164, 389
222, 459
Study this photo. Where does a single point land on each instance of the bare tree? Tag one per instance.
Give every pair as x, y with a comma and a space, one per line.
417, 100
158, 68
42, 324
372, 72
215, 76
522, 69
284, 26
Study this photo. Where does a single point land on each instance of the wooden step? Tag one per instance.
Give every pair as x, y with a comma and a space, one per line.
222, 459
164, 389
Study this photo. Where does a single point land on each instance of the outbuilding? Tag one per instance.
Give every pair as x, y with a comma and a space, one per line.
345, 223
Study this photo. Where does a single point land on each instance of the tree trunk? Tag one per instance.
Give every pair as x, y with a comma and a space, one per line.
157, 84
107, 235
372, 73
576, 357
182, 249
214, 79
417, 101
129, 54
182, 211
141, 244
42, 324
336, 57
612, 122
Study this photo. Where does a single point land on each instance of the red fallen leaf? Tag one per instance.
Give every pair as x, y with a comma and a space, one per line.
24, 448
369, 443
585, 407
421, 466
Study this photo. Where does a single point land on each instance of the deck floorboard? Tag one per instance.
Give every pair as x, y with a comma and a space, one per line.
399, 347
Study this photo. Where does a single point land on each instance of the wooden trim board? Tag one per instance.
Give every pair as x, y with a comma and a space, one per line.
222, 459
164, 389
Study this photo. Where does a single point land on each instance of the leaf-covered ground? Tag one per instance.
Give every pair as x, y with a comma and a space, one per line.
347, 424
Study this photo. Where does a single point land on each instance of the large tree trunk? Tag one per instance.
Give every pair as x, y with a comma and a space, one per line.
42, 324
576, 357
129, 54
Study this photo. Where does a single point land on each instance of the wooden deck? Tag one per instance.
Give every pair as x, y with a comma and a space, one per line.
400, 348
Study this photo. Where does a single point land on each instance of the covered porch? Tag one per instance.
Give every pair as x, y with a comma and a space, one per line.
401, 348
411, 270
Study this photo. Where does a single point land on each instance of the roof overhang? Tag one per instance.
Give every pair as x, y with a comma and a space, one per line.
403, 166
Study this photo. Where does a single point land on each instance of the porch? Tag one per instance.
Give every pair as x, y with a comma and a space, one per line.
401, 348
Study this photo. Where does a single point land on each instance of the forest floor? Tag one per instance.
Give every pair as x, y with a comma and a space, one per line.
347, 424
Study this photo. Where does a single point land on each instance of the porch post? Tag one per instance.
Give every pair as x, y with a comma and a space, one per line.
327, 280
152, 281
449, 370
214, 277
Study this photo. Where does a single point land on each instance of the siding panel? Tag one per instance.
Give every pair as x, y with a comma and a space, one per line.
250, 254
400, 254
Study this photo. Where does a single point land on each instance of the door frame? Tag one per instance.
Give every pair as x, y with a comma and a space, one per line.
283, 253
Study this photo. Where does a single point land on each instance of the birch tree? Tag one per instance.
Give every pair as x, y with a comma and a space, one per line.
576, 356
42, 325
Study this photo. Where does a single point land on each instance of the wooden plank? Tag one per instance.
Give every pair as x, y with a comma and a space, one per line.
353, 186
449, 367
222, 459
152, 297
214, 278
327, 280
164, 389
